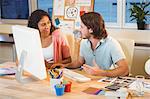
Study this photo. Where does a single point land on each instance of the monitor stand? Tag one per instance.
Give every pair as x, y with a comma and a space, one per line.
19, 72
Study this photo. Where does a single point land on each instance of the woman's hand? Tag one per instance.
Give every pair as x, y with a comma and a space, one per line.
59, 65
48, 65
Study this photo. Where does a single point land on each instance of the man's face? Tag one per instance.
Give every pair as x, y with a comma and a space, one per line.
84, 31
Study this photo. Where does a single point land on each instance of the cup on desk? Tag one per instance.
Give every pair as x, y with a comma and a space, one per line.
59, 89
140, 85
54, 82
67, 86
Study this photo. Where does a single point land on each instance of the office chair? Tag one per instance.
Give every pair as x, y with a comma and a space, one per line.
127, 46
73, 42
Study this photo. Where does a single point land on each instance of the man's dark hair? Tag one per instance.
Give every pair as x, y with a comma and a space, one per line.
94, 21
36, 16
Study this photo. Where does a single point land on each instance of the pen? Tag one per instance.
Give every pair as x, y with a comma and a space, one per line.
81, 68
60, 75
51, 74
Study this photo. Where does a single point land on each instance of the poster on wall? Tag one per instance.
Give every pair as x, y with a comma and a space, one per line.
69, 2
69, 12
58, 7
83, 2
72, 12
66, 24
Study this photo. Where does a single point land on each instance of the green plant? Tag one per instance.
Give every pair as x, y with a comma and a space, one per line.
138, 12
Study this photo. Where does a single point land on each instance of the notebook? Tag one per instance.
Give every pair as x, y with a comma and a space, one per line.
92, 90
7, 71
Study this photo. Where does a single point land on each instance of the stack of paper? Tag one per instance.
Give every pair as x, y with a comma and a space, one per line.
7, 71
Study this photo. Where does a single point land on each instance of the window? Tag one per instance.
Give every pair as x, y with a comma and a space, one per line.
46, 5
16, 9
116, 12
127, 22
107, 8
128, 6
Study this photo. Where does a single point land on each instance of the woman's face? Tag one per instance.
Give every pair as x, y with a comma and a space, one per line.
44, 26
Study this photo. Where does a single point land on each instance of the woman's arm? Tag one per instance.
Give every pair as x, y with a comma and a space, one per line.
66, 60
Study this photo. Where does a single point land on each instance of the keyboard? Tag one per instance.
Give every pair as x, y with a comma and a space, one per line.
75, 76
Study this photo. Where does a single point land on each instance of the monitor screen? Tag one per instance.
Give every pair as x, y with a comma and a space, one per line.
28, 40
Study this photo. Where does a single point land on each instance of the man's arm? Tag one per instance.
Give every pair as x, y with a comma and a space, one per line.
76, 63
121, 70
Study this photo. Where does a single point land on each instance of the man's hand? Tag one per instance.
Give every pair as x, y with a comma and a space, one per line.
93, 70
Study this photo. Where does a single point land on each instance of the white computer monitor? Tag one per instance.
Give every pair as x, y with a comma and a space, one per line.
29, 51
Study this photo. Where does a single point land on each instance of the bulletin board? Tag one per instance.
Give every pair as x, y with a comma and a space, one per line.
66, 13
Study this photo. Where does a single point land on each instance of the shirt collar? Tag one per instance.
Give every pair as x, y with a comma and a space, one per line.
98, 44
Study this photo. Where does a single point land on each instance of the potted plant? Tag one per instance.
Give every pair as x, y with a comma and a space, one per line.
139, 13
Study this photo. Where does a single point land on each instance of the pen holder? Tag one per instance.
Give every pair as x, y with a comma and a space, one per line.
67, 86
59, 89
54, 82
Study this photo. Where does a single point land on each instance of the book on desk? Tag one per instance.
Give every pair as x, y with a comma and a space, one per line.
7, 71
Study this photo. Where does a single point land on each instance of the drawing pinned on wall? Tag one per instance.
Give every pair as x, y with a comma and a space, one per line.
72, 12
77, 23
50, 11
67, 24
70, 2
66, 13
57, 22
83, 2
59, 6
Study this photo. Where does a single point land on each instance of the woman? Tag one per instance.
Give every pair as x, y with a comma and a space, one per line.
54, 44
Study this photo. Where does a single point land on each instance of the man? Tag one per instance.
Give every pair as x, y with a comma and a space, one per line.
98, 51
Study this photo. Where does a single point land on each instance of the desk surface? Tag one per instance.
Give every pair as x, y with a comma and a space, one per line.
11, 89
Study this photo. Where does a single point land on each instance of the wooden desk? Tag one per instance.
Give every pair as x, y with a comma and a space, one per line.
11, 89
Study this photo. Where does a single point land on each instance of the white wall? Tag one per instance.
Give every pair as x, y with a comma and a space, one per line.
140, 36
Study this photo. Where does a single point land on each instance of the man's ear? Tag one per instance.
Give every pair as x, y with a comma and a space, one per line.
90, 30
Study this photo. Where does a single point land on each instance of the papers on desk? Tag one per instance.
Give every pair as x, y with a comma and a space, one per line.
133, 86
107, 79
121, 93
7, 68
7, 71
119, 81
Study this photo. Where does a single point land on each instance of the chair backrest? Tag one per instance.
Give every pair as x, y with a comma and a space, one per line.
127, 46
74, 46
